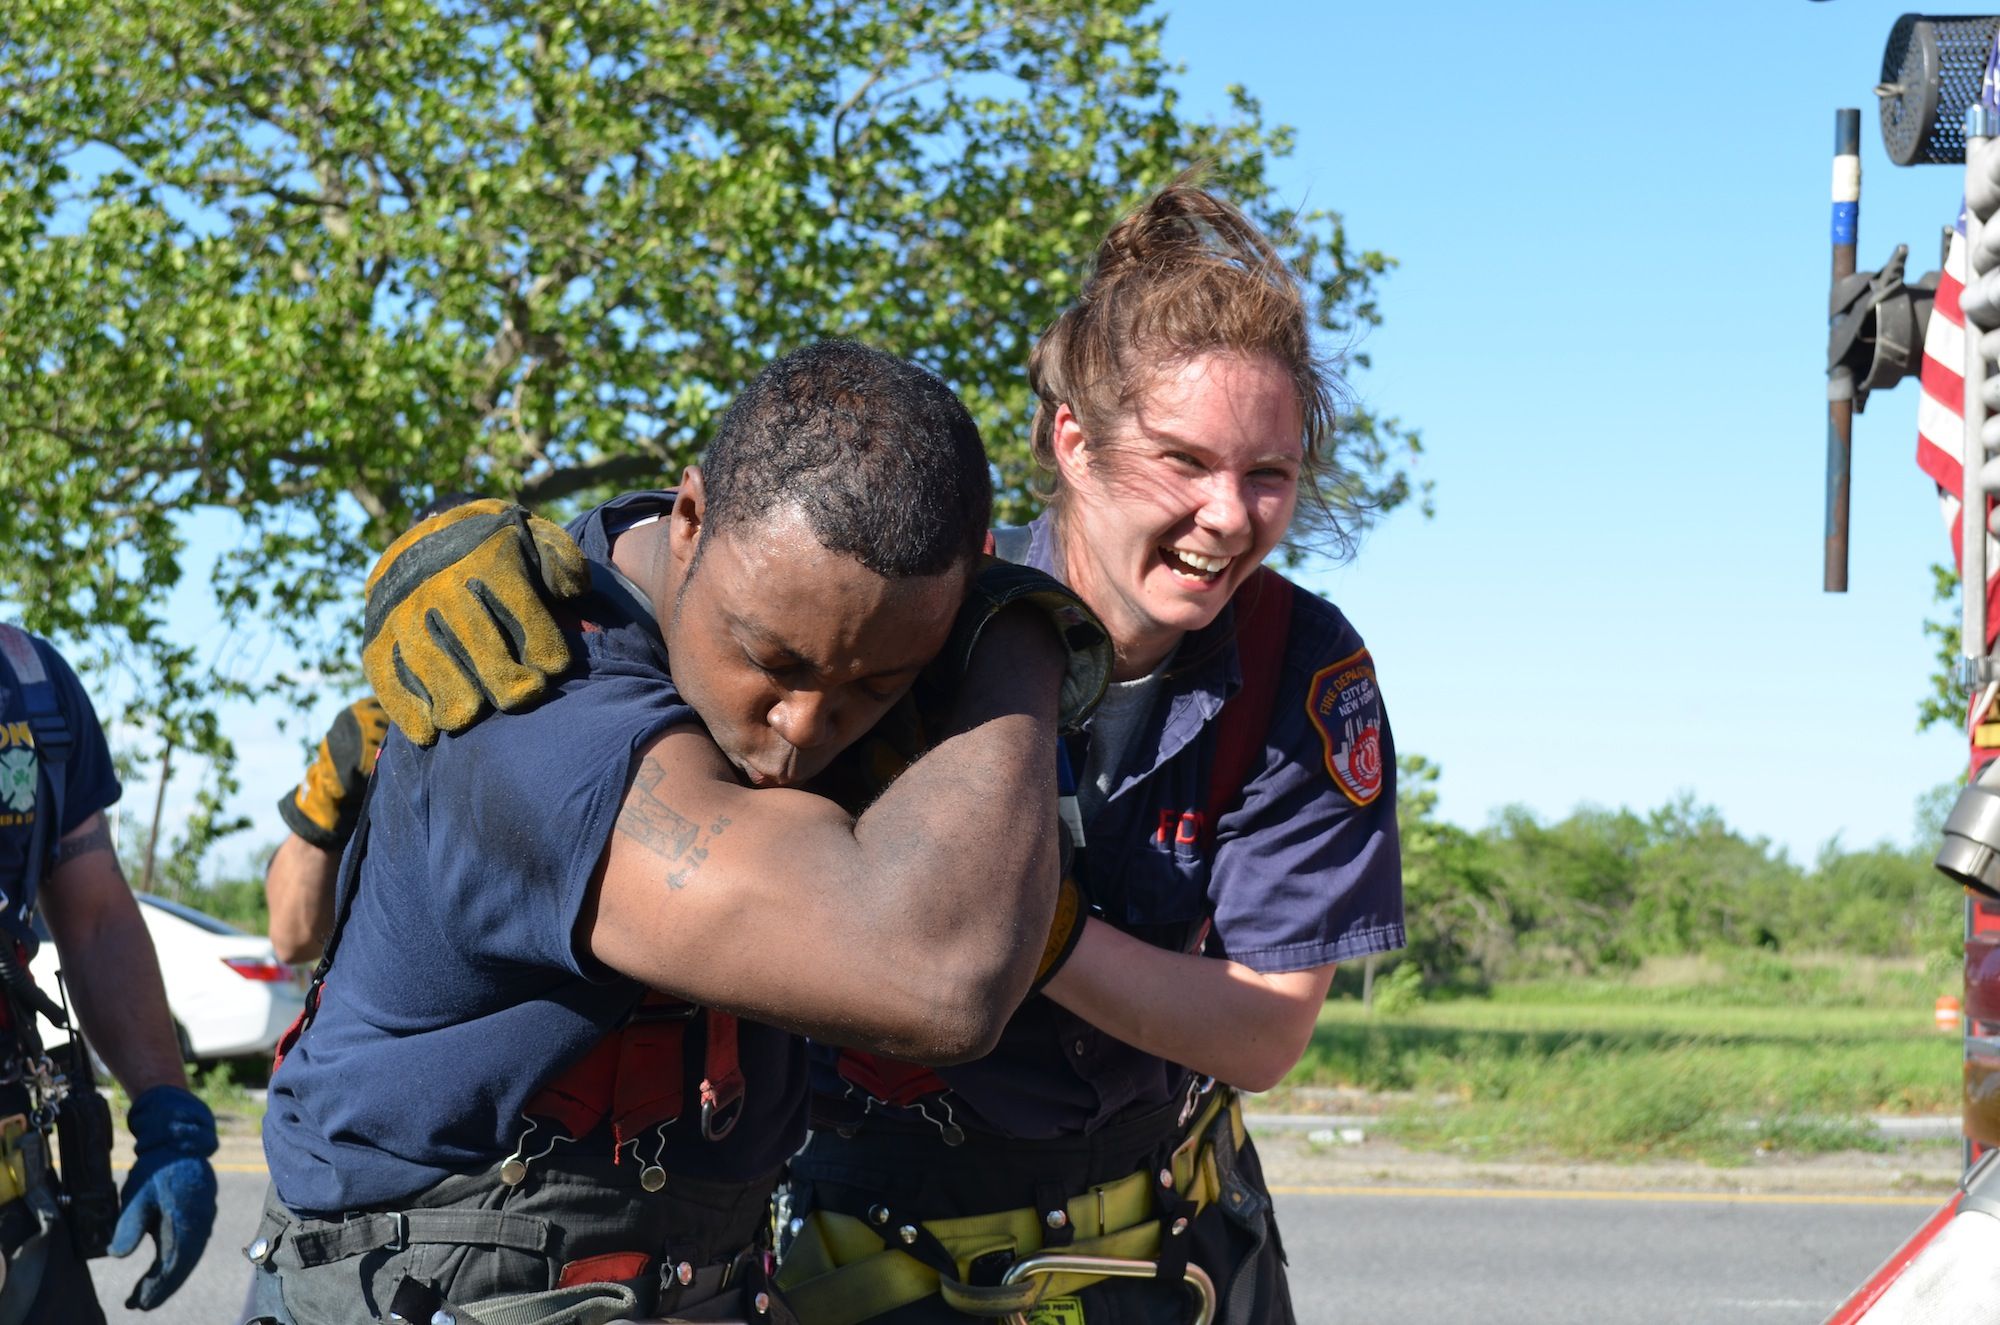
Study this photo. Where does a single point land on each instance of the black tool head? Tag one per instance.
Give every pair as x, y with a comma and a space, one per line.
1931, 71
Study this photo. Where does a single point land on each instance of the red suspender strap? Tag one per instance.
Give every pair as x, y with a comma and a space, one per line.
890, 1080
1263, 624
646, 1090
634, 1076
578, 1100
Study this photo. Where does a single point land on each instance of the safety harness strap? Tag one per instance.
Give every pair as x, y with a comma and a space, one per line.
721, 1078
358, 1235
1263, 608
1250, 1207
577, 1304
705, 1297
841, 1271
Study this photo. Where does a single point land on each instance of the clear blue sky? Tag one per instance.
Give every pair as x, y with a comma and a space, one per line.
1609, 326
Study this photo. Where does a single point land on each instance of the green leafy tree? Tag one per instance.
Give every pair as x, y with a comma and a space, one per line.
1700, 883
1456, 908
309, 264
1944, 705
1571, 883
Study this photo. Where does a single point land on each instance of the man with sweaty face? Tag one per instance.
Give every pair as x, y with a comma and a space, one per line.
552, 1065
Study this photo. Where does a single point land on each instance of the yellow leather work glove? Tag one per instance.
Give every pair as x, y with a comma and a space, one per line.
459, 616
324, 807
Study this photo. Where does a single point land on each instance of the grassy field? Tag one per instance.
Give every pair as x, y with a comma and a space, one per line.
1715, 1060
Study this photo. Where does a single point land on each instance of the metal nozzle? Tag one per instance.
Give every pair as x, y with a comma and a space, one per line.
1970, 853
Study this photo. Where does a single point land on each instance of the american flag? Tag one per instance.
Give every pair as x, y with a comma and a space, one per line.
1941, 405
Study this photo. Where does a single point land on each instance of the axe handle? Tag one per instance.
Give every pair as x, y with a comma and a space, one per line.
1972, 566
1839, 381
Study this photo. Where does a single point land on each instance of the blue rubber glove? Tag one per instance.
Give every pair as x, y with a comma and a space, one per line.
170, 1192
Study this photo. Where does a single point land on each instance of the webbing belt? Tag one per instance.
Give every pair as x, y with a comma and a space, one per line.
316, 1242
840, 1270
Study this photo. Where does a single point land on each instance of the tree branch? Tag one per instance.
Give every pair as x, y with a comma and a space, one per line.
560, 483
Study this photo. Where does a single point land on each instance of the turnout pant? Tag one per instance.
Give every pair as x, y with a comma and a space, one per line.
695, 1249
49, 1284
988, 1202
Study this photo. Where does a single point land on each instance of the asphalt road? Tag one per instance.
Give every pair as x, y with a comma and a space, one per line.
1651, 1259
1394, 1256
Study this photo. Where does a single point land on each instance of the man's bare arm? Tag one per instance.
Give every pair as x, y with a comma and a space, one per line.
298, 889
92, 835
108, 964
913, 929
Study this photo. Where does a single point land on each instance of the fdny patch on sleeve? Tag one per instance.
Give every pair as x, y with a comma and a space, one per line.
1346, 708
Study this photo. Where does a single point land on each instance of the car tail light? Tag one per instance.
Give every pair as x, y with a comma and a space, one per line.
258, 968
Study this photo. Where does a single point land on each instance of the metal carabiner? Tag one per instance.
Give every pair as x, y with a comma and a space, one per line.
1197, 1091
1109, 1267
720, 1116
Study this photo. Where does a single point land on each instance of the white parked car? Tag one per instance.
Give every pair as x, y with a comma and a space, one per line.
227, 990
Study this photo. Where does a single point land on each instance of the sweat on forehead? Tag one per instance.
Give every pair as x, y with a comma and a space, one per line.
878, 455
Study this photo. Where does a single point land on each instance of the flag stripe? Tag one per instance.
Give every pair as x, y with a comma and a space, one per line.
1941, 418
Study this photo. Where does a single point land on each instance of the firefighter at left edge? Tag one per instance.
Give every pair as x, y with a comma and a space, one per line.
58, 1205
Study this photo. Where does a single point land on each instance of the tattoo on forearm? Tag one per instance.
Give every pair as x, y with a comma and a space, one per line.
97, 839
657, 826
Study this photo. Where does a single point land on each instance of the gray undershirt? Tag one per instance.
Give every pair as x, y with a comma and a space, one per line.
1119, 719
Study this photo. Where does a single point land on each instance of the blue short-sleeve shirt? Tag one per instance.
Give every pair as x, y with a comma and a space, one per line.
460, 986
1304, 871
90, 783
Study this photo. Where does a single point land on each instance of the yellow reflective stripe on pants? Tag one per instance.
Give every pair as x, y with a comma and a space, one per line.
14, 1177
840, 1270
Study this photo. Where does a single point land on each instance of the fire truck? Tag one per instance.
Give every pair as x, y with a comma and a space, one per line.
1938, 105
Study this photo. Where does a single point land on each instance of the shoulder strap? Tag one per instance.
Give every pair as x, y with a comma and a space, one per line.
1263, 608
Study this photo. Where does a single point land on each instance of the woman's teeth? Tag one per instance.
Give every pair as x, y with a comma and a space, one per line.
1193, 564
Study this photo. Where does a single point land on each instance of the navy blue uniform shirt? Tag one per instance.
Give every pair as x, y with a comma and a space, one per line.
460, 986
90, 783
1305, 870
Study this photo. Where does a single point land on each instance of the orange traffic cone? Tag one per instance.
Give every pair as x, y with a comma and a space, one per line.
1947, 1014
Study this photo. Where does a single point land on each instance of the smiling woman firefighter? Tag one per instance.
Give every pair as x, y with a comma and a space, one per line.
1238, 837
1232, 836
